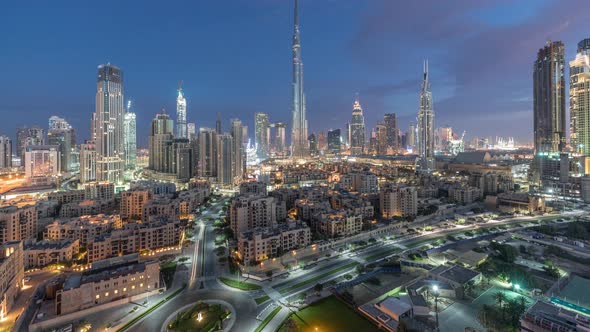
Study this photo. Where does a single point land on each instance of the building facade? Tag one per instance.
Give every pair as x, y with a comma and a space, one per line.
425, 137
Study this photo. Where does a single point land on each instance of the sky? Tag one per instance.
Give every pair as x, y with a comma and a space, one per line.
234, 57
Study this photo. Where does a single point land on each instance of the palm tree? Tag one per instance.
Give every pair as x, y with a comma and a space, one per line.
500, 299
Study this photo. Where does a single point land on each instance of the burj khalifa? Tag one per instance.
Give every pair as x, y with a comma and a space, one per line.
299, 148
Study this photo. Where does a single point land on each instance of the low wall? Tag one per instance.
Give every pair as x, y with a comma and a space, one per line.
68, 318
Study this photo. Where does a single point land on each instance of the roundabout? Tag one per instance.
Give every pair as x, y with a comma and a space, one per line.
204, 315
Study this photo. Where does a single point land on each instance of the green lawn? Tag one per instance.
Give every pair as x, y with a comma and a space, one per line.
246, 286
268, 319
262, 299
316, 278
329, 315
382, 254
212, 318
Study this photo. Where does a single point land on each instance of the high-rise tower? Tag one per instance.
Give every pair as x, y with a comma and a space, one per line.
261, 135
181, 114
130, 134
549, 98
425, 126
580, 99
357, 129
299, 148
108, 124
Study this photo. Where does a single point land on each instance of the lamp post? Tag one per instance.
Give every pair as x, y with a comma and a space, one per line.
435, 293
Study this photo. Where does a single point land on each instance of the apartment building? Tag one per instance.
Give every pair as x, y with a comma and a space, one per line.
99, 286
12, 274
18, 223
133, 202
43, 253
398, 201
263, 243
83, 228
252, 211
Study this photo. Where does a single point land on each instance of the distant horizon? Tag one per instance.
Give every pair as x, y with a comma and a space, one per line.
236, 60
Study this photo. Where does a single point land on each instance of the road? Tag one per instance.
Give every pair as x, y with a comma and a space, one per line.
204, 268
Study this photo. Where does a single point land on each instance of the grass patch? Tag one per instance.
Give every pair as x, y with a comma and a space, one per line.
268, 319
316, 278
262, 299
168, 269
212, 318
382, 254
246, 286
328, 314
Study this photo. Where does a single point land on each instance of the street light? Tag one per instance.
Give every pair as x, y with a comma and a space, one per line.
517, 287
435, 293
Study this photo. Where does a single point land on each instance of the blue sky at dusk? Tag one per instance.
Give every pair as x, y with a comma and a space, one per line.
234, 57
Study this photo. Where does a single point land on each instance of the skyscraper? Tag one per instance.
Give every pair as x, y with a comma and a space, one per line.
5, 152
411, 137
425, 126
181, 131
237, 133
313, 145
299, 148
280, 138
390, 122
261, 135
28, 136
334, 141
87, 162
549, 98
108, 124
580, 99
357, 129
218, 128
62, 138
381, 136
160, 141
191, 130
130, 137
225, 160
207, 152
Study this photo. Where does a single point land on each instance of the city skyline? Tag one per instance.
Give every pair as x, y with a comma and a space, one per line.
391, 90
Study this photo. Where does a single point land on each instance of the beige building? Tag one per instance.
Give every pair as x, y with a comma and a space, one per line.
133, 202
165, 207
83, 228
136, 238
68, 196
263, 243
99, 190
12, 274
248, 212
84, 208
399, 201
362, 182
18, 223
337, 224
40, 254
465, 195
102, 285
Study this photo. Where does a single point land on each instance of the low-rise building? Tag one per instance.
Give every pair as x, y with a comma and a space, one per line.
12, 274
465, 195
159, 233
457, 276
362, 182
18, 223
133, 202
337, 224
161, 207
83, 228
398, 201
263, 243
102, 285
253, 187
43, 253
86, 207
248, 212
544, 316
99, 190
67, 196
517, 202
388, 313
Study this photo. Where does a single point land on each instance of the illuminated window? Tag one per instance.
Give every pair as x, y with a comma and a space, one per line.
106, 294
97, 296
124, 289
116, 291
133, 287
141, 285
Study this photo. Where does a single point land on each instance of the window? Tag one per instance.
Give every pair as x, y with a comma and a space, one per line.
97, 296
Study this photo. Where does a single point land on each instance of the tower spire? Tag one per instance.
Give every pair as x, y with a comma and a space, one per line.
296, 13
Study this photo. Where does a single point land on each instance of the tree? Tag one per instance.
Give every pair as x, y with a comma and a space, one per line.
290, 325
500, 299
360, 268
469, 287
269, 273
318, 288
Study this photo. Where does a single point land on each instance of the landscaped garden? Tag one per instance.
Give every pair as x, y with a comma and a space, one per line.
200, 317
328, 314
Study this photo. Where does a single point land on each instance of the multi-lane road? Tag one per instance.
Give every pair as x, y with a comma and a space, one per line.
204, 269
